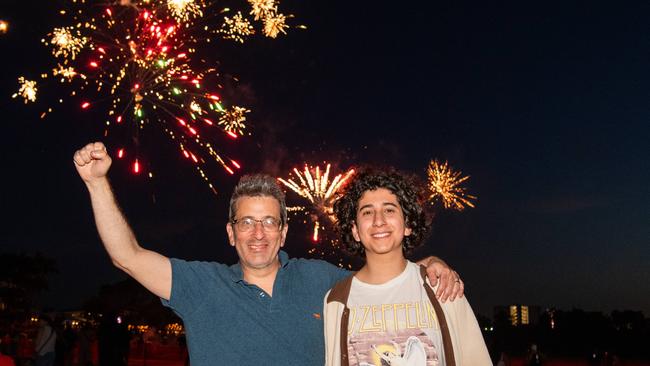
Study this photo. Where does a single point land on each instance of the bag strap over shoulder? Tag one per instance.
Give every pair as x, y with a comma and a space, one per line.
340, 293
444, 328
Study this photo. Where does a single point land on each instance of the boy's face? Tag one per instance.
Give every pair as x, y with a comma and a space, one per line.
380, 224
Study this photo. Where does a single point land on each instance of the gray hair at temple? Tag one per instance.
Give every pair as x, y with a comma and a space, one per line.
258, 185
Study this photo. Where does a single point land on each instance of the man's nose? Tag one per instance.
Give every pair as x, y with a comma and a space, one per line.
258, 230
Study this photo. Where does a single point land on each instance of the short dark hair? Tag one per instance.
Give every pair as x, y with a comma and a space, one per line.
258, 185
409, 192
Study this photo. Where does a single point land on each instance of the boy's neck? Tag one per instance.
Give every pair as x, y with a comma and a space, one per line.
380, 269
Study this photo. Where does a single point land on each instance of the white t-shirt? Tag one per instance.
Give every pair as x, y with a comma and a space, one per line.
394, 322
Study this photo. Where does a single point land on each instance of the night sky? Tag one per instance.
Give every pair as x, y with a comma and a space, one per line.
545, 106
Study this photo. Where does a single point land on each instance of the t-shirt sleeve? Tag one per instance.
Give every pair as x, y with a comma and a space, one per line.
187, 280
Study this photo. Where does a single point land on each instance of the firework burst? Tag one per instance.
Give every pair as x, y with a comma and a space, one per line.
27, 90
233, 120
315, 186
262, 9
137, 63
446, 187
237, 28
185, 10
66, 42
4, 26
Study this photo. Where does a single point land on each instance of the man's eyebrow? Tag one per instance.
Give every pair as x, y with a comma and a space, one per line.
254, 218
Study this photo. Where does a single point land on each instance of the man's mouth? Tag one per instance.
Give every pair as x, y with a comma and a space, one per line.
256, 247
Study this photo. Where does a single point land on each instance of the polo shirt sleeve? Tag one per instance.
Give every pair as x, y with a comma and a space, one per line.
335, 273
188, 283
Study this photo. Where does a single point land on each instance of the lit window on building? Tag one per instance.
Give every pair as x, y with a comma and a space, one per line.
524, 315
513, 314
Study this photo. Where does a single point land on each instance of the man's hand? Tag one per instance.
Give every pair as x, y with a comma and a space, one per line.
92, 162
451, 286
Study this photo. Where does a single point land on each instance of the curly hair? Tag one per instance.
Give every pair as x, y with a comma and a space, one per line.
410, 195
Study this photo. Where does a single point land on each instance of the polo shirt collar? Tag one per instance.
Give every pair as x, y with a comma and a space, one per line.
238, 275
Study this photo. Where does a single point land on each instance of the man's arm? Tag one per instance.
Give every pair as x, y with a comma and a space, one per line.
151, 269
451, 286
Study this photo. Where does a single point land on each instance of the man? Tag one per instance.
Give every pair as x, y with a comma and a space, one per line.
264, 310
45, 342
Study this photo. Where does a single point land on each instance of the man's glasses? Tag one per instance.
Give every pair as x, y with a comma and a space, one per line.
247, 224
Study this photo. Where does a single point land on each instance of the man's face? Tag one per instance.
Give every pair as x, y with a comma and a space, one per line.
258, 247
380, 223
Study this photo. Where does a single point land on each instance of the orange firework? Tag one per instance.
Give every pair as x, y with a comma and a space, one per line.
4, 26
445, 186
315, 186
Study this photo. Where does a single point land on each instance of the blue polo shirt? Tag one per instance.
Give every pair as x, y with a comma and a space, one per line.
231, 322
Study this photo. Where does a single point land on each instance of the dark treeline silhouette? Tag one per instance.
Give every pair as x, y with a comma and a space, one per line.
574, 334
133, 302
22, 276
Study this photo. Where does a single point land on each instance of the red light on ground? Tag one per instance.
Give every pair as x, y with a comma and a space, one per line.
120, 153
109, 12
181, 55
236, 164
192, 130
195, 81
232, 134
194, 158
85, 105
101, 50
119, 119
93, 64
136, 86
181, 121
149, 52
208, 121
145, 15
170, 29
184, 77
186, 154
229, 170
136, 166
213, 97
164, 49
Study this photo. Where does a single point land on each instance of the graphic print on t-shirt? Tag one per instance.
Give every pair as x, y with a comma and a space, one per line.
393, 324
406, 348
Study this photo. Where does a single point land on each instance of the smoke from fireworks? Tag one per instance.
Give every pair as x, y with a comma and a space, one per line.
138, 63
445, 185
319, 191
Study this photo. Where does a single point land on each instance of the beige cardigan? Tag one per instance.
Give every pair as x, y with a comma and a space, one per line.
462, 339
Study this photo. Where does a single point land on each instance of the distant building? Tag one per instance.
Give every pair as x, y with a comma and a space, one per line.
517, 315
